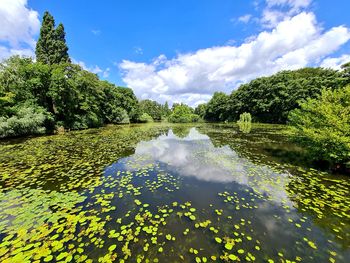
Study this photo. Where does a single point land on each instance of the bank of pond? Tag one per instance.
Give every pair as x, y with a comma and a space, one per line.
164, 192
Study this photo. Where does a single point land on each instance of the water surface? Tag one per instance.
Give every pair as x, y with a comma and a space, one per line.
169, 193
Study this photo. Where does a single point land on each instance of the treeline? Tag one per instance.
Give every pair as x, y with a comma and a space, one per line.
52, 93
315, 102
179, 113
41, 96
270, 99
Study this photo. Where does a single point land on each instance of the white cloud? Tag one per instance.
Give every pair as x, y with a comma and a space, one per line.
106, 72
295, 4
295, 42
335, 63
245, 19
279, 10
6, 52
18, 27
93, 69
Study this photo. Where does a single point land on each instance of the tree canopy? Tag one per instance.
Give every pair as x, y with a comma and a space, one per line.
322, 125
270, 99
65, 93
182, 113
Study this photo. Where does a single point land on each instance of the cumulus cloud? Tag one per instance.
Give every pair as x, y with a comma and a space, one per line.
276, 11
295, 42
19, 26
335, 63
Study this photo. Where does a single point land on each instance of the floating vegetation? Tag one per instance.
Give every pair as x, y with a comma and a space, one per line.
142, 193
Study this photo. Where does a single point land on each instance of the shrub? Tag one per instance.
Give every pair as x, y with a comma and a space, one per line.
322, 125
121, 116
27, 120
183, 114
145, 118
245, 117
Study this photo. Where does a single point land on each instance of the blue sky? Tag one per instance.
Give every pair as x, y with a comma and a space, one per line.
185, 50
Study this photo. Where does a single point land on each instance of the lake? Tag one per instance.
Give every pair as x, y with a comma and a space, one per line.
169, 193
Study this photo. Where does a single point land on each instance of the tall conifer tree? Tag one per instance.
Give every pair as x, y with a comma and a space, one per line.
45, 45
51, 47
61, 48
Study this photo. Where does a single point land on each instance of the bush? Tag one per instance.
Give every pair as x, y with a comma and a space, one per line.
121, 116
322, 125
183, 114
145, 118
245, 117
27, 120
183, 118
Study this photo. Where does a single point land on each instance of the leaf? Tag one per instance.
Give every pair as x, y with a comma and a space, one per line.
218, 240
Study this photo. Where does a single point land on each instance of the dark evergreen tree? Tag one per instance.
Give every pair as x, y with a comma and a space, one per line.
51, 47
166, 110
45, 46
61, 48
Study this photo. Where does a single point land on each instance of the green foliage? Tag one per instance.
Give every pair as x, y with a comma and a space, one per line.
345, 73
51, 47
152, 108
76, 98
26, 120
201, 109
61, 48
245, 126
245, 117
145, 118
6, 100
322, 125
166, 110
183, 114
270, 99
126, 99
217, 107
121, 116
245, 122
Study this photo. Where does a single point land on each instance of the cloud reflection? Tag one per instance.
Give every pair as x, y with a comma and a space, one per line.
196, 156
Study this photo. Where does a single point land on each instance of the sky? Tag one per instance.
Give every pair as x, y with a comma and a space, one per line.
185, 50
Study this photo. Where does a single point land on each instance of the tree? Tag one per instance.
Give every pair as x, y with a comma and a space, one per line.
65, 94
51, 47
270, 99
145, 118
183, 113
201, 110
216, 108
322, 125
46, 43
245, 122
245, 117
61, 48
166, 110
152, 108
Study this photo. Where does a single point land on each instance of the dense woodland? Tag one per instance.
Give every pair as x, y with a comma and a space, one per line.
52, 94
270, 99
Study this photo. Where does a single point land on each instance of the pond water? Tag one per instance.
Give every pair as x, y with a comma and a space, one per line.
169, 193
